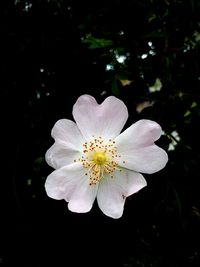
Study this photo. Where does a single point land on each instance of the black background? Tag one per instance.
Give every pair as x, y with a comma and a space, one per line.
51, 52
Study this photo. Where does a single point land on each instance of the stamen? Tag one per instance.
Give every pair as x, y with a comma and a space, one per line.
99, 158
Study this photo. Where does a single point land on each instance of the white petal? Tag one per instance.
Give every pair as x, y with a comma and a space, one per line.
113, 191
71, 183
137, 149
140, 134
110, 199
62, 182
148, 159
68, 132
59, 155
83, 197
105, 120
129, 181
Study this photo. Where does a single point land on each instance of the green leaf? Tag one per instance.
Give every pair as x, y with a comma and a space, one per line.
96, 43
115, 87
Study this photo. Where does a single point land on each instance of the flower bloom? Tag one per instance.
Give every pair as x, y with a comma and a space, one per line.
93, 160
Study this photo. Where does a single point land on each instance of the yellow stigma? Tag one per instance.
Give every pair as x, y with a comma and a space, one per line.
99, 158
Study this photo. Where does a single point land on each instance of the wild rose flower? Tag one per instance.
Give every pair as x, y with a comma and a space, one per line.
93, 160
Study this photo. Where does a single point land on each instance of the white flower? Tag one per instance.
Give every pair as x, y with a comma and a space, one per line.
93, 160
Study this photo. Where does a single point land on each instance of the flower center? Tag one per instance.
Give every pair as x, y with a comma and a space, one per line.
99, 158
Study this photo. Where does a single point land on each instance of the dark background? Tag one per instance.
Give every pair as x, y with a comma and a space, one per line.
51, 52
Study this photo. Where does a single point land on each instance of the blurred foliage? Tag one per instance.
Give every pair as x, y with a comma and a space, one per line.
96, 43
147, 53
